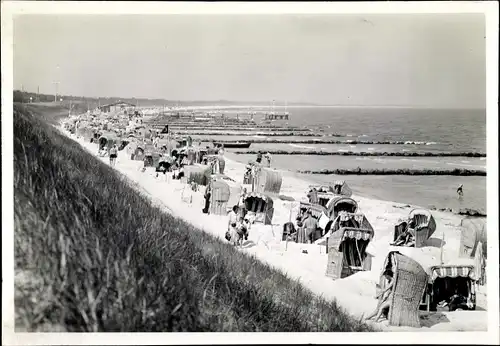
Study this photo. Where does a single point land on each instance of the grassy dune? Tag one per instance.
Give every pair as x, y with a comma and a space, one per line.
93, 254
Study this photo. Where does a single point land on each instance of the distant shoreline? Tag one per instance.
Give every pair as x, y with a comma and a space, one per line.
282, 108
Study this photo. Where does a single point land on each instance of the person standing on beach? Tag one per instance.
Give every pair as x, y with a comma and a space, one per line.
313, 196
460, 191
310, 224
241, 203
259, 157
232, 226
207, 195
268, 159
221, 150
113, 153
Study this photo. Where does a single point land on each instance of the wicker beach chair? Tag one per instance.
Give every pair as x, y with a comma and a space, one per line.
347, 252
410, 282
199, 174
266, 180
445, 280
473, 233
341, 188
340, 203
260, 206
424, 226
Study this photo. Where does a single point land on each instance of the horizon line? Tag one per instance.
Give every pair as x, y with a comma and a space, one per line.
254, 103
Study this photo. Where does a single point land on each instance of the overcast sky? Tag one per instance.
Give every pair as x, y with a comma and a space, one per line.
406, 60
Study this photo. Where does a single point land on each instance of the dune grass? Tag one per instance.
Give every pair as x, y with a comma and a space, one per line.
93, 254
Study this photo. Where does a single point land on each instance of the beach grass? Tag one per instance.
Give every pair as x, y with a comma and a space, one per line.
92, 254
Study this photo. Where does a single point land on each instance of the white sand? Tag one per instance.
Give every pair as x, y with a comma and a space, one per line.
355, 293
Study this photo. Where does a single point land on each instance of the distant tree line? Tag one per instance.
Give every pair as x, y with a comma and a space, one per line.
24, 97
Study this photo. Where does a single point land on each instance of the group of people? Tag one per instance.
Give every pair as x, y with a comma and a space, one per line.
171, 163
238, 226
307, 226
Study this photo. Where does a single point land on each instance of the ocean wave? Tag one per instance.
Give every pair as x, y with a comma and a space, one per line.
416, 142
460, 164
300, 146
322, 139
399, 171
367, 153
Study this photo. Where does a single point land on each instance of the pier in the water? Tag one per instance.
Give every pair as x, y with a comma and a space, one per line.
276, 116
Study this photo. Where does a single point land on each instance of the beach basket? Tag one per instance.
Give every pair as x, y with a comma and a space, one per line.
267, 180
259, 206
410, 283
444, 279
220, 197
424, 227
340, 203
347, 252
200, 174
473, 232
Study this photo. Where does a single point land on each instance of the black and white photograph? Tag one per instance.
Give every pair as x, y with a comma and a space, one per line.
284, 168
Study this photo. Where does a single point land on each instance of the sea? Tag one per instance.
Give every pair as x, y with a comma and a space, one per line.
425, 130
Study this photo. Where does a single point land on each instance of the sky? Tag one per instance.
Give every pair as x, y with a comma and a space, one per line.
411, 60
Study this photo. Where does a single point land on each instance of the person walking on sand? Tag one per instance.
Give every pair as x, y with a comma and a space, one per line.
113, 154
460, 191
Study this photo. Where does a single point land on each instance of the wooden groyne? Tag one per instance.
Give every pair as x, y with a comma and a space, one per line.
366, 153
400, 171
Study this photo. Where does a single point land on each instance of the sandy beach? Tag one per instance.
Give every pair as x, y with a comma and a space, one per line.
355, 293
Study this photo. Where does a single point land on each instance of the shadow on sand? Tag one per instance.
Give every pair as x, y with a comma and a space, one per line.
435, 242
248, 244
429, 319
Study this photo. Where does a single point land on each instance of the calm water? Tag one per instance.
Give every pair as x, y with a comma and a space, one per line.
422, 148
464, 129
438, 130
